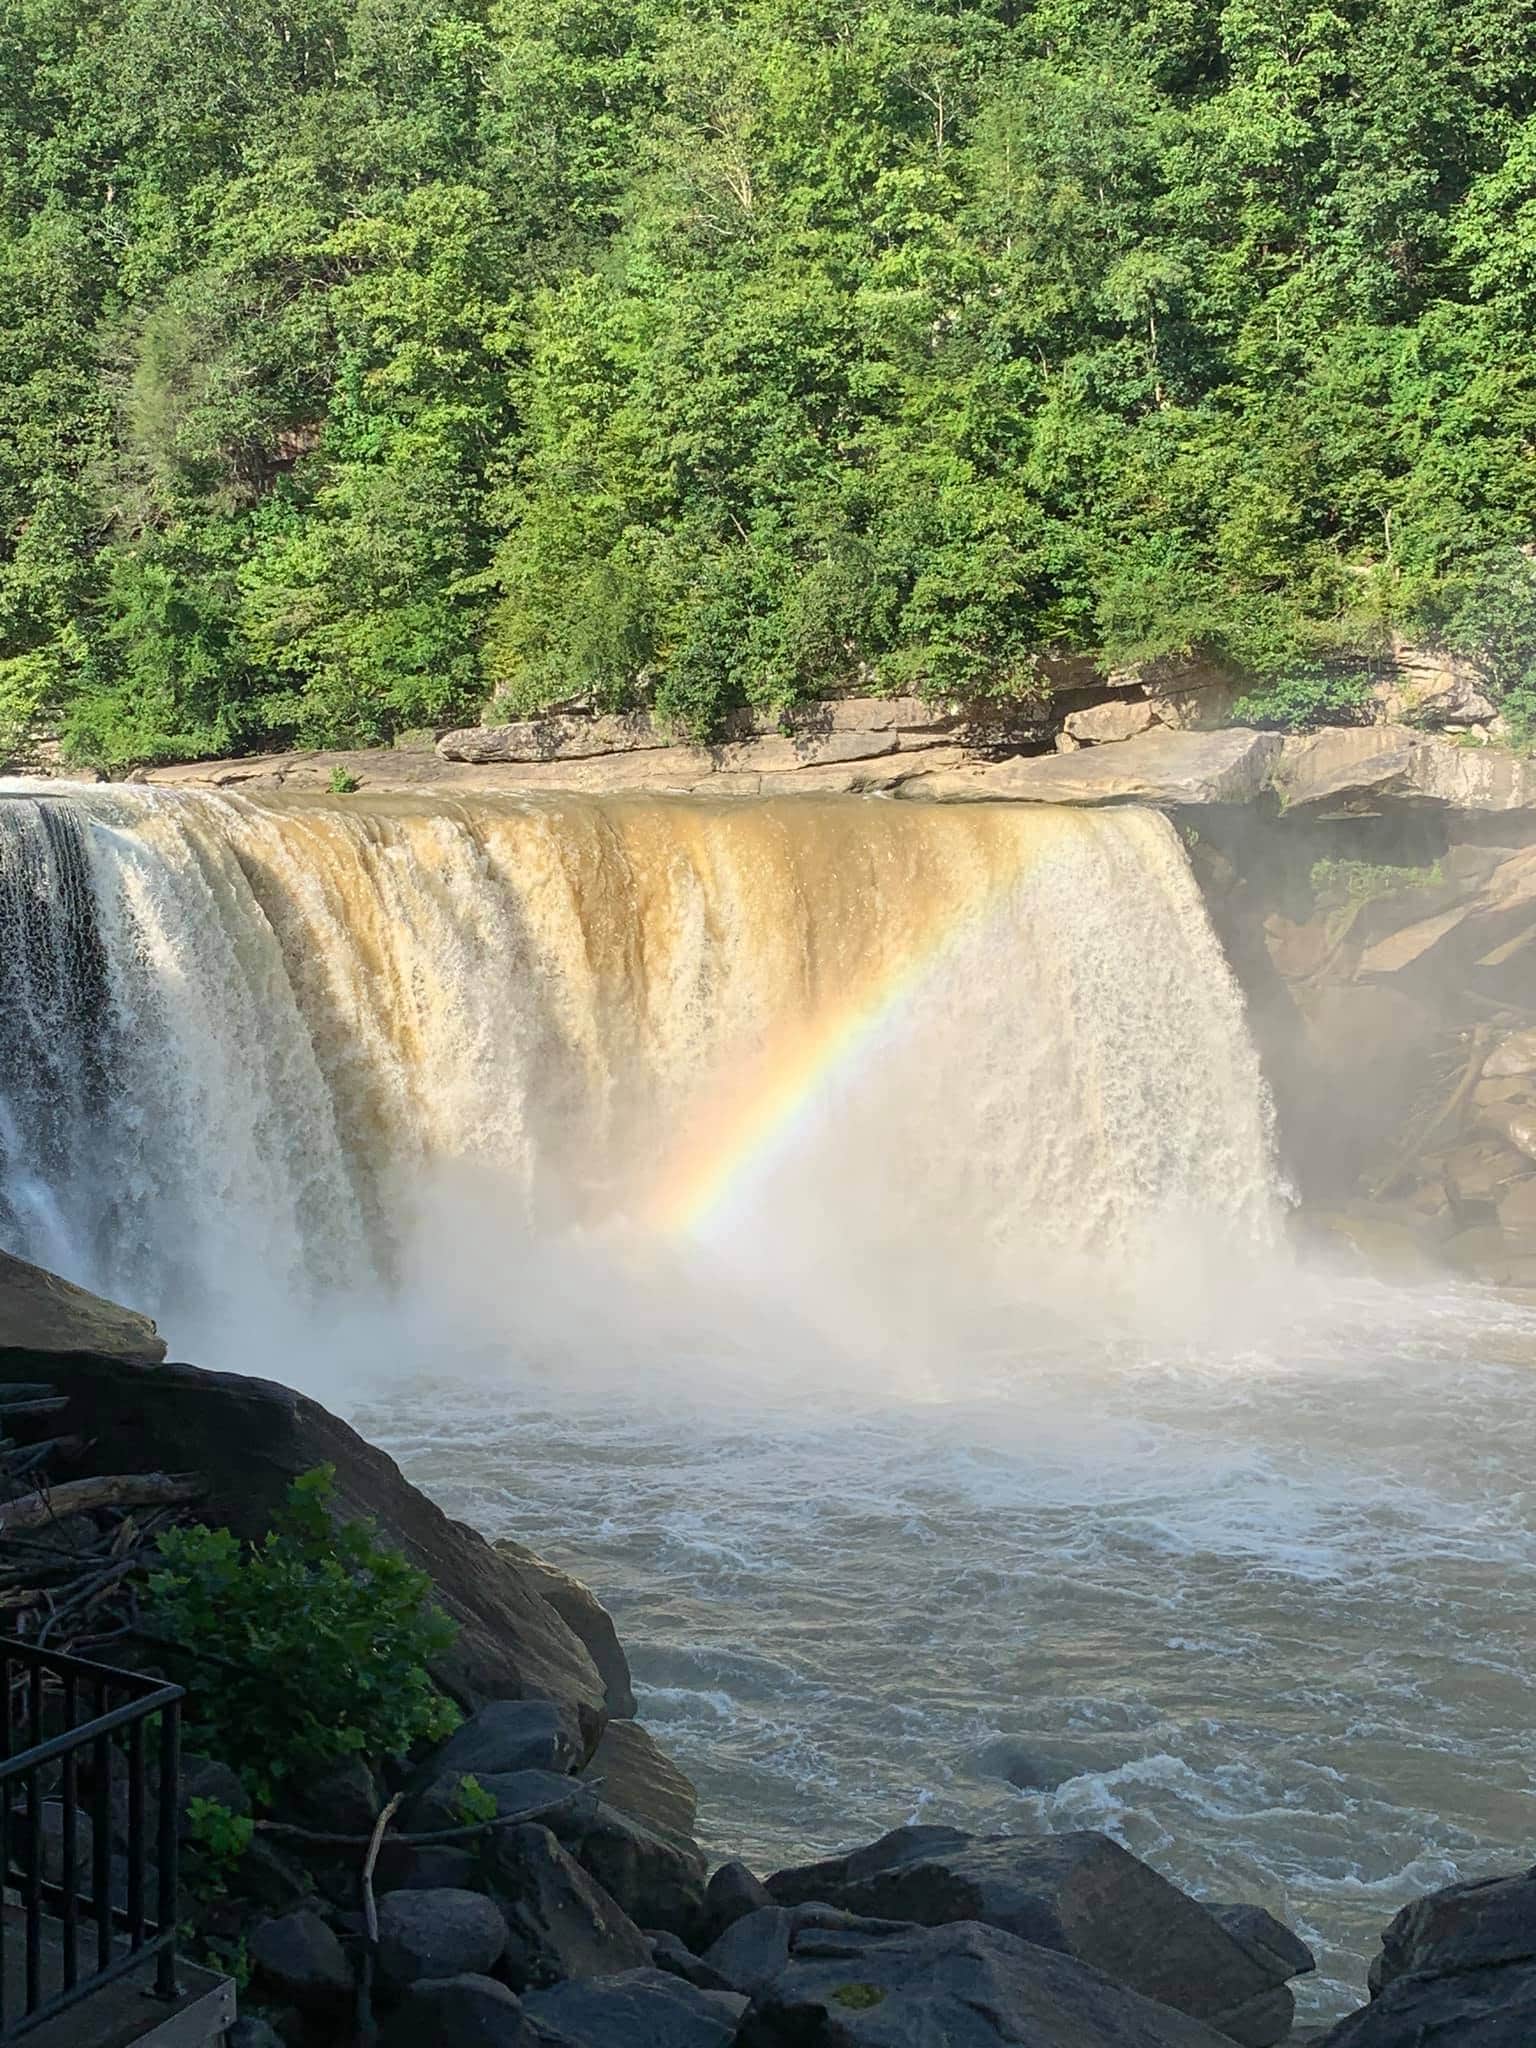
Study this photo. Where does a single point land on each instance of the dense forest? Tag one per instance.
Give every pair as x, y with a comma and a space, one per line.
362, 356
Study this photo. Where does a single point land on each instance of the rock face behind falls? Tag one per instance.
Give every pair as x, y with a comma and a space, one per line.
252, 1438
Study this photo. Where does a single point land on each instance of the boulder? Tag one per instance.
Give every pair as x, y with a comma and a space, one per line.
731, 1894
753, 1953
1431, 687
341, 1801
444, 1866
438, 1934
531, 1795
299, 1960
965, 1986
1512, 1057
640, 1781
1157, 767
640, 2009
679, 1960
1456, 1968
1269, 1940
586, 1618
1351, 764
1119, 718
559, 1923
253, 1438
42, 1314
459, 2012
1079, 1893
505, 1735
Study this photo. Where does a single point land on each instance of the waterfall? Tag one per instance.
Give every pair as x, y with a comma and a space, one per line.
245, 1044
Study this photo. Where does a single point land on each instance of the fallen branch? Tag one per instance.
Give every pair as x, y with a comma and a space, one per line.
86, 1496
1451, 1108
367, 2027
435, 1837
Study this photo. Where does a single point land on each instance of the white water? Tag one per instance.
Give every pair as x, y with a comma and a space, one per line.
846, 1234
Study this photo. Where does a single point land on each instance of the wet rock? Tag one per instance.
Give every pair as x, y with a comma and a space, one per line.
1030, 1769
640, 1781
640, 2009
1514, 1056
459, 2012
438, 1934
508, 1735
963, 1985
586, 1618
1457, 1968
1274, 1944
1078, 1893
1479, 1926
732, 1893
1517, 1207
559, 1922
299, 1959
39, 1312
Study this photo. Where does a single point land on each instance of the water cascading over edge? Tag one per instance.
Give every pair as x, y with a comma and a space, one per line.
244, 1044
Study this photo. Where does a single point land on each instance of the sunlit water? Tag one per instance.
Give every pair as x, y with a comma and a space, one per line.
1266, 1619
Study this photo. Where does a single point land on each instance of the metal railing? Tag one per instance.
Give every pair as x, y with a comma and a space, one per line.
82, 1910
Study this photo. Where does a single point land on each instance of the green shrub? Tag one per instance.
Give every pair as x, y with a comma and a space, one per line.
305, 1648
1362, 881
343, 782
1303, 698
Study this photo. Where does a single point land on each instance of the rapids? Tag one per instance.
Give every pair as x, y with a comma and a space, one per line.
845, 1232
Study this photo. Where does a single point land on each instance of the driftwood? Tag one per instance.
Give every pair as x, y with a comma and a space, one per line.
88, 1496
434, 1837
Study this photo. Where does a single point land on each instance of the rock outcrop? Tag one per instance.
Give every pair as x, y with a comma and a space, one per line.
252, 1438
1360, 763
41, 1313
1170, 769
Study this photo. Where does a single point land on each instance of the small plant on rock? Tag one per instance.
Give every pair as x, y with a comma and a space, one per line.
306, 1648
343, 782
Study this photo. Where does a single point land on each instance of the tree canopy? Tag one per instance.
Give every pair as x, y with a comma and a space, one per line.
360, 356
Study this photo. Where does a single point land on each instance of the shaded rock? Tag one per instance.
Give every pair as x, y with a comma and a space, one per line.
442, 1868
641, 2009
71, 1871
271, 1878
39, 1312
751, 1954
1516, 1055
1493, 2008
204, 1777
507, 1735
1432, 687
530, 1794
639, 1780
655, 1875
342, 1801
438, 1934
1483, 1925
1274, 1944
1195, 710
253, 1438
559, 1923
1157, 767
675, 1957
731, 1894
299, 1959
459, 2012
586, 1618
1517, 1207
1079, 1893
1121, 718
965, 1986
1345, 763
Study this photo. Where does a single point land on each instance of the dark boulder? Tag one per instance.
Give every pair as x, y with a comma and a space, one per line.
756, 1950
253, 1438
679, 1960
639, 1780
459, 2012
641, 2009
438, 1867
438, 1934
559, 1922
586, 1618
731, 1894
656, 1876
962, 1986
341, 1801
299, 1960
1079, 1893
1457, 1969
1267, 1939
507, 1735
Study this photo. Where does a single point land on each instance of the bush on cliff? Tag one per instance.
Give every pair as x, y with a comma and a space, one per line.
306, 1648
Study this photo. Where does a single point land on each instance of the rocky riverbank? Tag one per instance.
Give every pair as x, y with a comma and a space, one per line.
534, 1878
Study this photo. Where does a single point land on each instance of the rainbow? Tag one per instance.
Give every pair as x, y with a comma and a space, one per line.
758, 1118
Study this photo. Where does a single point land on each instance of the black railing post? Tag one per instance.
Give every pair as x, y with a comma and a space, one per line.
101, 1832
170, 1803
69, 1793
136, 1842
34, 1906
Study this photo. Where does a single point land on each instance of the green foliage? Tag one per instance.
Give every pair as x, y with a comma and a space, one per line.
354, 361
473, 1803
858, 1997
343, 782
305, 1648
1362, 881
